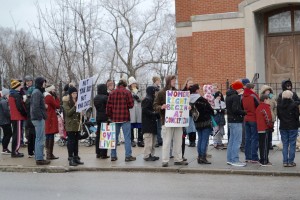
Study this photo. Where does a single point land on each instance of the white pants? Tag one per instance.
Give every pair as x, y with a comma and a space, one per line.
168, 134
149, 142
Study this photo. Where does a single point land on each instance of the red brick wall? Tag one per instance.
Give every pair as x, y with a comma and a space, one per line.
201, 7
216, 56
183, 10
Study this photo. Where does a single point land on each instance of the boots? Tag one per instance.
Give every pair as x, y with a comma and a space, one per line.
50, 156
192, 139
47, 145
72, 161
140, 138
77, 160
203, 160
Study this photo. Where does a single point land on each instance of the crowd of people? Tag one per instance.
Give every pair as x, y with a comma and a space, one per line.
31, 110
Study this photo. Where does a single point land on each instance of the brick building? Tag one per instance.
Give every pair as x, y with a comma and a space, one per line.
219, 40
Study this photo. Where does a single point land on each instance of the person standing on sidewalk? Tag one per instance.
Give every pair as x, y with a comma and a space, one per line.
18, 115
157, 83
250, 102
203, 123
169, 133
38, 116
5, 122
264, 126
100, 102
72, 125
149, 125
30, 130
288, 114
245, 81
119, 102
53, 103
235, 115
219, 117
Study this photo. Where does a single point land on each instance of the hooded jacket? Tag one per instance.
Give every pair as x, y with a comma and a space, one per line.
283, 86
235, 111
288, 114
100, 102
51, 124
250, 102
149, 116
17, 106
160, 99
37, 102
273, 104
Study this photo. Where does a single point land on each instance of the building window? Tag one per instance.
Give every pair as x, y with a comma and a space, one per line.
280, 23
297, 20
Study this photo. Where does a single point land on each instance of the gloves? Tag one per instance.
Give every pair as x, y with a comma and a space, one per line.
108, 121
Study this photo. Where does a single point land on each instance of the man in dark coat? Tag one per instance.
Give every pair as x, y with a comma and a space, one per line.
287, 85
149, 124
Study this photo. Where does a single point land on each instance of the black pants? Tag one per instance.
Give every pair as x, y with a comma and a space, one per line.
264, 147
31, 140
140, 135
73, 143
270, 137
183, 145
192, 137
101, 152
16, 136
7, 133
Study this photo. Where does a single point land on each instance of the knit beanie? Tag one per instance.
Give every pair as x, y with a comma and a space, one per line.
236, 85
245, 81
50, 88
14, 84
287, 94
71, 90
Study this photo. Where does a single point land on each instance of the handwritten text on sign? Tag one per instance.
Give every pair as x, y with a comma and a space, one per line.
108, 136
177, 111
84, 95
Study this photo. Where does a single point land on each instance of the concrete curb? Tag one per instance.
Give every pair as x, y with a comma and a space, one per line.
63, 169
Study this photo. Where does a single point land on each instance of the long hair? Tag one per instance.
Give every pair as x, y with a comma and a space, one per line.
71, 101
186, 87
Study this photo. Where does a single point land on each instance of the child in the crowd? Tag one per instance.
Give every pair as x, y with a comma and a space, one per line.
264, 126
219, 118
149, 124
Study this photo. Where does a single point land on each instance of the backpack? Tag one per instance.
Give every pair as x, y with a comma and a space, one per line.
194, 112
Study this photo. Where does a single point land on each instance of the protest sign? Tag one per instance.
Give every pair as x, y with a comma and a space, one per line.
107, 136
177, 110
84, 94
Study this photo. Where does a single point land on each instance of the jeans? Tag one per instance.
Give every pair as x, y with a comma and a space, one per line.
203, 137
159, 139
39, 139
288, 138
126, 127
251, 141
234, 142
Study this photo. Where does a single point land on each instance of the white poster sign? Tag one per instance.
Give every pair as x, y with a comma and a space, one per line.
84, 94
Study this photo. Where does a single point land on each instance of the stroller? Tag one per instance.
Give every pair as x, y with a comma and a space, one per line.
89, 128
61, 128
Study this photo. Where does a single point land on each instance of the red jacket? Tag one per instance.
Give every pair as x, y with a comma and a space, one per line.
17, 106
250, 102
118, 105
263, 117
51, 123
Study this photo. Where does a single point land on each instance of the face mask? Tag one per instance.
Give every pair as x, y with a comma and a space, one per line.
271, 95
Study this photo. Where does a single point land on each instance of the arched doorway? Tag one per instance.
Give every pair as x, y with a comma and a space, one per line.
282, 44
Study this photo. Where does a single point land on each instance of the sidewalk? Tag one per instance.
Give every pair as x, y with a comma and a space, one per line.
91, 163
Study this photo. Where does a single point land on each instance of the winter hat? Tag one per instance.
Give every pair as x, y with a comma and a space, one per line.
71, 90
14, 84
250, 85
245, 81
287, 94
5, 91
28, 78
50, 88
236, 85
39, 81
131, 80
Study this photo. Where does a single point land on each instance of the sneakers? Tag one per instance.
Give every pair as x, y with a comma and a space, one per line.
113, 159
229, 163
151, 158
6, 152
292, 164
30, 155
131, 158
266, 165
42, 162
181, 163
254, 161
184, 159
17, 155
238, 164
165, 164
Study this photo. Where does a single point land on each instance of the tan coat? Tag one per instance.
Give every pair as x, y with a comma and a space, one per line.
273, 103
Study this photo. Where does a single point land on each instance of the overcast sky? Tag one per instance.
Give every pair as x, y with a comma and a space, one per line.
23, 12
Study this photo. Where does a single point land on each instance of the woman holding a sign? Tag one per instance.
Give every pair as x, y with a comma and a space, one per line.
203, 123
72, 126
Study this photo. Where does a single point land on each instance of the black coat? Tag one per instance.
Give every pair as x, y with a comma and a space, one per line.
284, 88
149, 117
288, 114
205, 112
100, 102
235, 112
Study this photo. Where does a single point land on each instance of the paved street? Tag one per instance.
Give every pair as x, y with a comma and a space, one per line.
145, 186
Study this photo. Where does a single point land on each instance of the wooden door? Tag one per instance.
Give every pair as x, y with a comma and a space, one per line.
280, 59
297, 57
